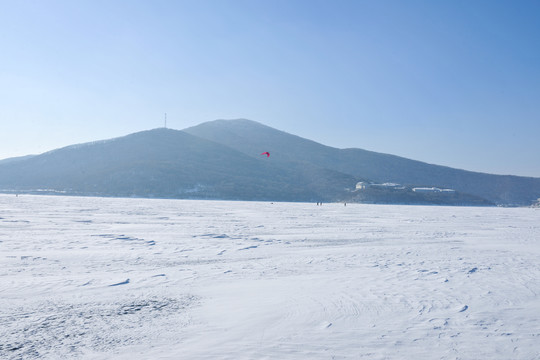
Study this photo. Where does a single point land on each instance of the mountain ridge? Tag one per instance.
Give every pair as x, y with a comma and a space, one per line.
221, 160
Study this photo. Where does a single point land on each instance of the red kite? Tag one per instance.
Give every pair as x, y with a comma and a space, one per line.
266, 153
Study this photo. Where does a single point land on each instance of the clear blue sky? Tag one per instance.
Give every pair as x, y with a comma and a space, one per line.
455, 83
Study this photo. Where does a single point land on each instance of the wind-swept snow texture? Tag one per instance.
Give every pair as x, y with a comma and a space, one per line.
98, 278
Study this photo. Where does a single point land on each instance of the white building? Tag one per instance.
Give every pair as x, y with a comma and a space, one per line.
361, 185
426, 189
364, 185
386, 185
432, 190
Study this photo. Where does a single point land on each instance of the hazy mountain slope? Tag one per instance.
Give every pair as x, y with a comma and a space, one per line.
252, 138
501, 189
165, 163
292, 153
15, 159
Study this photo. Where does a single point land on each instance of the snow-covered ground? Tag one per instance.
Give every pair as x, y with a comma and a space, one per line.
98, 278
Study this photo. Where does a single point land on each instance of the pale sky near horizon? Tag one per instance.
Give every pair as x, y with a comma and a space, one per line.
453, 83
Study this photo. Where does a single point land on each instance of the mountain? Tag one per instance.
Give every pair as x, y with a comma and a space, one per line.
15, 159
221, 160
166, 163
249, 137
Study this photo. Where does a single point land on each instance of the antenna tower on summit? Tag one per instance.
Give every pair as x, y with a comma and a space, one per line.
165, 120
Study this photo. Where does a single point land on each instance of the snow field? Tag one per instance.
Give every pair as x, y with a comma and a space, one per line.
101, 278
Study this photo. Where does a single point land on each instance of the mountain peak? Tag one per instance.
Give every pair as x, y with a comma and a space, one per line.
232, 123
